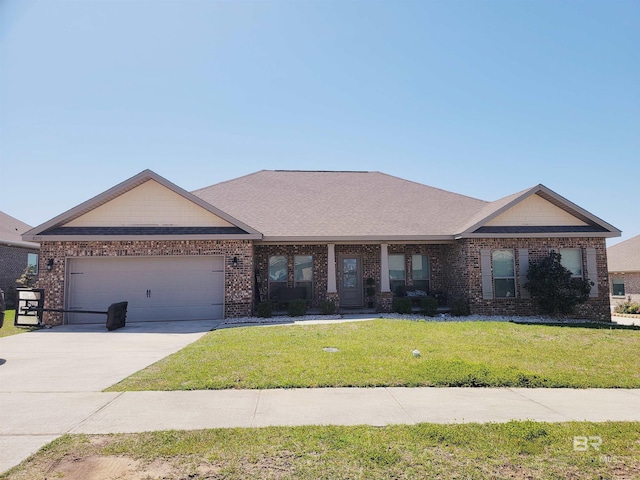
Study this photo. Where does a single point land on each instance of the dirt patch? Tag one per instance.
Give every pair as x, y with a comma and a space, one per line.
95, 467
126, 468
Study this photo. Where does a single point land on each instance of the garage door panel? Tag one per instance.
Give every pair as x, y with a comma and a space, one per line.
157, 288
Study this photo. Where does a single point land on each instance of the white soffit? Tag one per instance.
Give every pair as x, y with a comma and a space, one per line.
149, 204
535, 211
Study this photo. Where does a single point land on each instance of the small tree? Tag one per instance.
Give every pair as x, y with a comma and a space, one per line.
28, 278
552, 286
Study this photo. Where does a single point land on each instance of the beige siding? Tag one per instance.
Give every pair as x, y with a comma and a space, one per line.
149, 204
535, 210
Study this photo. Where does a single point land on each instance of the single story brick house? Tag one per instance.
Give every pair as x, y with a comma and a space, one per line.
218, 251
15, 254
624, 271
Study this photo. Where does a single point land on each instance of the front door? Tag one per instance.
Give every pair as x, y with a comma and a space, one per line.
351, 294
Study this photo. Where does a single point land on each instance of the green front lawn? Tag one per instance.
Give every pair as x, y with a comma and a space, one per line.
8, 328
469, 451
379, 353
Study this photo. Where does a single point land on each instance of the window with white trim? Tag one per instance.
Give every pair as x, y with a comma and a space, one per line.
32, 262
571, 259
617, 287
504, 273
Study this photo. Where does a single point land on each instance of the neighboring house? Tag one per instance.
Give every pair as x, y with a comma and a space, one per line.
218, 251
15, 254
624, 271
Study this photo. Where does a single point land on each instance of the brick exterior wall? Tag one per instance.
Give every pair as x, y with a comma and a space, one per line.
455, 270
596, 308
631, 287
238, 280
13, 261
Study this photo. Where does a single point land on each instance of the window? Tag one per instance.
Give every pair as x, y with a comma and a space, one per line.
303, 273
397, 272
618, 287
420, 271
571, 259
32, 262
504, 279
278, 274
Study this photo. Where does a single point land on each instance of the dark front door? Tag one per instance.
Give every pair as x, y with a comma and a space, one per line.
351, 284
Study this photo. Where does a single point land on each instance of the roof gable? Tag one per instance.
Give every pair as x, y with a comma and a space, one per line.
149, 204
537, 211
144, 205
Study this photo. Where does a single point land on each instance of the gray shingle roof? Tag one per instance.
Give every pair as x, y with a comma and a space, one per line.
624, 256
316, 204
11, 230
319, 206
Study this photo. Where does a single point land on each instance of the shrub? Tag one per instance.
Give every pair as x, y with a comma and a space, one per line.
459, 307
327, 307
401, 305
429, 306
264, 310
297, 308
552, 286
28, 279
628, 307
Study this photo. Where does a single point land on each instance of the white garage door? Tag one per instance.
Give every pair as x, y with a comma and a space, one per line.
157, 288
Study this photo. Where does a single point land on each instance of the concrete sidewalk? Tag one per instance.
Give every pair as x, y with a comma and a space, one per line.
51, 382
30, 420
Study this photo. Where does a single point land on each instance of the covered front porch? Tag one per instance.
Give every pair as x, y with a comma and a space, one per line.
354, 277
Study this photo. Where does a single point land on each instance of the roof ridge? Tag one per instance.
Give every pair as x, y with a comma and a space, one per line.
321, 171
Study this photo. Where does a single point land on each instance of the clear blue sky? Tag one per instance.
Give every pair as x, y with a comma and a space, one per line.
484, 97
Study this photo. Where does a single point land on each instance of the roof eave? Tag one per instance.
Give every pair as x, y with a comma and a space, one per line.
357, 239
540, 235
116, 238
28, 245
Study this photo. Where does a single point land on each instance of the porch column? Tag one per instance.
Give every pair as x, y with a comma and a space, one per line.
331, 268
384, 268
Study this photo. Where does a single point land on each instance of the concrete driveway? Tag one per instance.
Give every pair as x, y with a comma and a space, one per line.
50, 379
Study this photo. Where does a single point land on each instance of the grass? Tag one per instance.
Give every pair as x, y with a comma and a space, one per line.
379, 353
9, 328
465, 451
